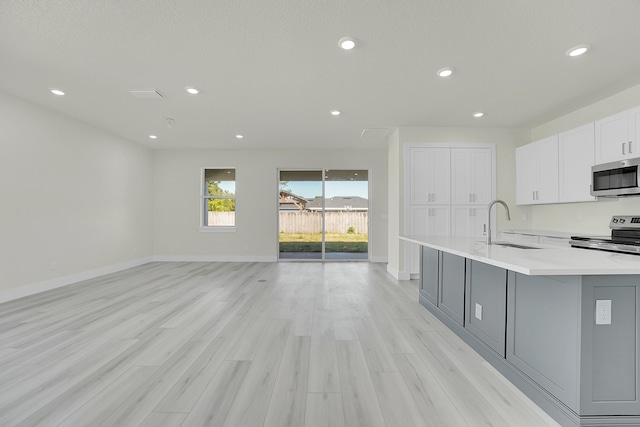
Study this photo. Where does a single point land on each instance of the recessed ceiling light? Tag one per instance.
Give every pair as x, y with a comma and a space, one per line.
578, 50
153, 137
445, 72
478, 114
239, 136
57, 92
335, 112
192, 90
347, 43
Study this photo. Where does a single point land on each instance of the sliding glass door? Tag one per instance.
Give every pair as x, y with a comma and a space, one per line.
323, 214
346, 214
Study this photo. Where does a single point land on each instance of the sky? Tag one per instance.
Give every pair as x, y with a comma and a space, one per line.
311, 189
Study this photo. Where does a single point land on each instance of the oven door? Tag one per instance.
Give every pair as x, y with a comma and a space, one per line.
615, 179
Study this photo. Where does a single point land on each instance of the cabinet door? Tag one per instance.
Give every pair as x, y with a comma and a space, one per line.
487, 304
611, 138
634, 132
526, 173
440, 167
547, 191
438, 221
481, 176
576, 156
543, 331
471, 176
420, 186
468, 221
461, 192
429, 274
452, 284
427, 221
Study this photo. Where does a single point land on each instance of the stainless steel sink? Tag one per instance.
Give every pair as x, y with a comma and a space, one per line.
514, 245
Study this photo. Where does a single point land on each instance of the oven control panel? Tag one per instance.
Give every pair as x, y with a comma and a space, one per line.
624, 221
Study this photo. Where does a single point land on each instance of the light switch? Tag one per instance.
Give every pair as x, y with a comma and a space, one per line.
603, 312
478, 311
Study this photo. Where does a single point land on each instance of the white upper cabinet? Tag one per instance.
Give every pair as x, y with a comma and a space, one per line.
430, 179
537, 172
471, 176
616, 137
576, 156
634, 131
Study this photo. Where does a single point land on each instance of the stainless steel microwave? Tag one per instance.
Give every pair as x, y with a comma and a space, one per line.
615, 179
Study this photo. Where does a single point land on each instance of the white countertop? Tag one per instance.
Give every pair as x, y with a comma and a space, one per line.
547, 261
546, 233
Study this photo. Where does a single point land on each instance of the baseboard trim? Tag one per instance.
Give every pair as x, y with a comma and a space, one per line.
214, 258
35, 288
397, 274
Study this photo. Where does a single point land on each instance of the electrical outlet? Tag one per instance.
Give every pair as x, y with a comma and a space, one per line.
603, 312
478, 311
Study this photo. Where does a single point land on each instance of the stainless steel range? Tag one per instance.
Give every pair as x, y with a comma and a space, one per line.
625, 236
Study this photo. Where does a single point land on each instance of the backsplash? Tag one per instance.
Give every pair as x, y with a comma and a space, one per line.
582, 218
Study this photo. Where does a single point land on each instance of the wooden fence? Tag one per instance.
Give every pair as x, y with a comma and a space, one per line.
307, 222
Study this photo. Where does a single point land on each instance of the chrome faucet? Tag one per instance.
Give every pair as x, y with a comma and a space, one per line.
489, 217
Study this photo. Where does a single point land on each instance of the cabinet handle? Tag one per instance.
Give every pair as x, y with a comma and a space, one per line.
537, 195
474, 197
533, 195
484, 228
630, 147
623, 153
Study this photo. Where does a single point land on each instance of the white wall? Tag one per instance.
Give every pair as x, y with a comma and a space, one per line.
177, 199
396, 199
70, 195
505, 139
594, 216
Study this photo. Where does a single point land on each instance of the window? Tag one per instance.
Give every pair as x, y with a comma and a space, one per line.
219, 199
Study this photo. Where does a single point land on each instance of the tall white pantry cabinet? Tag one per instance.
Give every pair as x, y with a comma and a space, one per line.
448, 188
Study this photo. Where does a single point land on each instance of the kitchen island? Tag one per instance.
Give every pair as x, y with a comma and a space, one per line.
531, 312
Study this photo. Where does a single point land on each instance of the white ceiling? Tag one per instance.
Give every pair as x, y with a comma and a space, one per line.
272, 70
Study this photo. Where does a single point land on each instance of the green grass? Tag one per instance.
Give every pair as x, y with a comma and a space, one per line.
334, 242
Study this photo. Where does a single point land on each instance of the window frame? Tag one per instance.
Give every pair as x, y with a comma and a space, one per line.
204, 199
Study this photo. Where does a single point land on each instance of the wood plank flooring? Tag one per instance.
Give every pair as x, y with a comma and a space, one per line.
243, 345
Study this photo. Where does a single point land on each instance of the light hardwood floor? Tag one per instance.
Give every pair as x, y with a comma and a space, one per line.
242, 345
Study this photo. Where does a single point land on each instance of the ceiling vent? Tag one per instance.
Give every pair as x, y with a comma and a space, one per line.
146, 94
374, 133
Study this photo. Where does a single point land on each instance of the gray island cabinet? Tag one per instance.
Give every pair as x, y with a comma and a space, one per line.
540, 330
